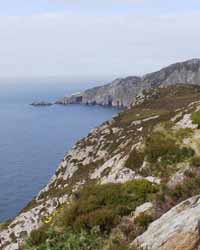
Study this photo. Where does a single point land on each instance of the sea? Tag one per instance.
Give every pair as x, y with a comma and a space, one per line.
33, 140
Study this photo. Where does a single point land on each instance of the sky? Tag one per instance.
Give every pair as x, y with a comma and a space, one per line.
95, 39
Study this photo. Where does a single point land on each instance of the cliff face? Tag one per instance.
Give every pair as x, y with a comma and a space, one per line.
122, 92
187, 72
119, 93
120, 167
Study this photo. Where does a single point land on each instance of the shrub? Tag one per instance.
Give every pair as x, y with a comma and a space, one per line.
159, 147
189, 174
37, 237
103, 205
168, 198
144, 220
183, 133
195, 161
179, 155
104, 218
69, 240
117, 241
135, 160
196, 118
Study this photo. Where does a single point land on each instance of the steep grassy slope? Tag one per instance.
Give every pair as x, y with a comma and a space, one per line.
148, 154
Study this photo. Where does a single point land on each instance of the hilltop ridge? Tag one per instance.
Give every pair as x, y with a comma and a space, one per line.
121, 92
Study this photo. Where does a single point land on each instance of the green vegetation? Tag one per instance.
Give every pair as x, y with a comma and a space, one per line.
160, 147
195, 161
163, 152
94, 207
183, 133
169, 197
103, 205
144, 220
135, 160
97, 216
196, 118
5, 224
38, 236
67, 240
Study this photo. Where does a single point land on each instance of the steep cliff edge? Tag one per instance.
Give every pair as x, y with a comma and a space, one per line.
121, 92
147, 157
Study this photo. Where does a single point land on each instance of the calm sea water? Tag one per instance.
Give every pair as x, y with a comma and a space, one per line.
33, 140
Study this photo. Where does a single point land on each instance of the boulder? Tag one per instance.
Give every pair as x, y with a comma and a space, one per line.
178, 229
146, 208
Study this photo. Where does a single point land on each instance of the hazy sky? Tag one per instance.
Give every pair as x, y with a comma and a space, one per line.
95, 38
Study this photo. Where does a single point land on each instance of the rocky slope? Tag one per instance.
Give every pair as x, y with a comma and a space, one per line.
121, 92
177, 229
132, 170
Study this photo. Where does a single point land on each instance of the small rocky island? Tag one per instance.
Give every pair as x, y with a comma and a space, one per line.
43, 104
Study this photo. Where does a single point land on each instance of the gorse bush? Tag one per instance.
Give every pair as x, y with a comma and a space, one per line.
196, 118
135, 160
195, 161
179, 155
38, 236
166, 150
144, 220
68, 240
157, 145
103, 205
95, 206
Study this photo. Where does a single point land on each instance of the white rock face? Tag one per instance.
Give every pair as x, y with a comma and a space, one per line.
186, 122
122, 92
178, 229
146, 208
26, 222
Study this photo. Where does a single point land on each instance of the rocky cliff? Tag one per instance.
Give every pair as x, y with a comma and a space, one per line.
122, 92
121, 187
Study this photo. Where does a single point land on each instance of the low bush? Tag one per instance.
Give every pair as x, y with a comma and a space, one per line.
166, 150
157, 145
182, 133
37, 237
68, 240
196, 118
103, 205
144, 220
135, 160
169, 197
195, 161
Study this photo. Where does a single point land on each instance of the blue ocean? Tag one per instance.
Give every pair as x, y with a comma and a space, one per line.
33, 140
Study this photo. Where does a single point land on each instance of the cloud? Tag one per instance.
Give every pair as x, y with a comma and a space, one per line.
78, 45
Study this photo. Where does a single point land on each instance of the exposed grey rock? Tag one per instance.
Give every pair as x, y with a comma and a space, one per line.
146, 208
41, 104
119, 93
122, 92
187, 72
178, 229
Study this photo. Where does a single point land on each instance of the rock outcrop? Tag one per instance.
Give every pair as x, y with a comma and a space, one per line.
122, 92
41, 104
119, 93
178, 229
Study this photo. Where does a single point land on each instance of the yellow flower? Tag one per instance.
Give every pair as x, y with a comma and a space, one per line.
48, 219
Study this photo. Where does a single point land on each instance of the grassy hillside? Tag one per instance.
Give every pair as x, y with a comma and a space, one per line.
161, 146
